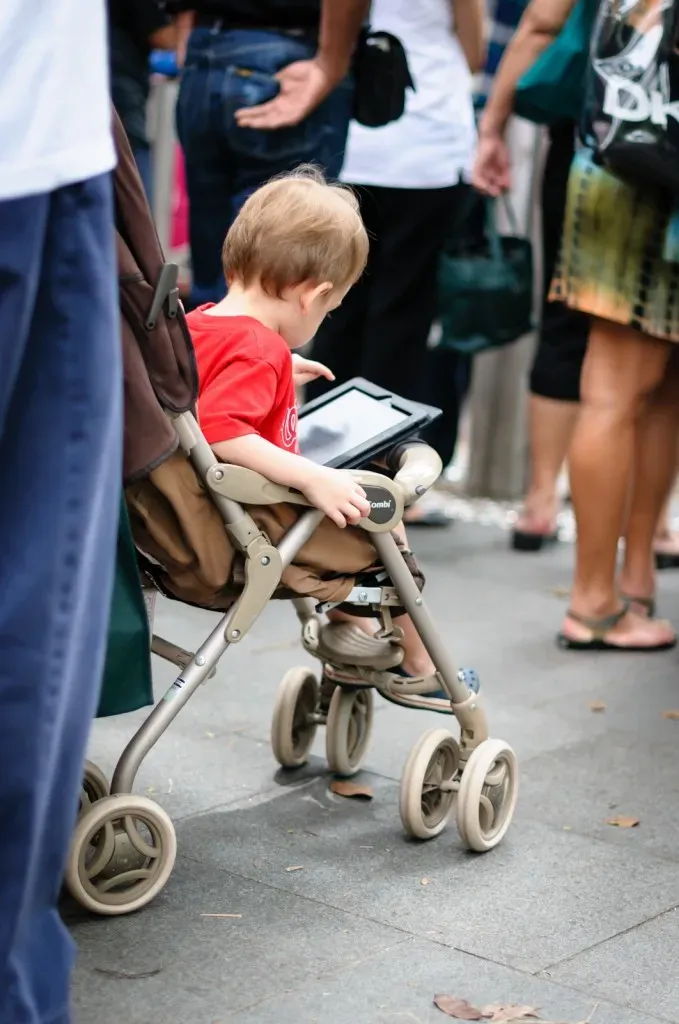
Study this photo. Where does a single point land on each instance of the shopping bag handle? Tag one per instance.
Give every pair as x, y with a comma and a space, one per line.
493, 236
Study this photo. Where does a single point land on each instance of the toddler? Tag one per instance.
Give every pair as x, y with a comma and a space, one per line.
294, 251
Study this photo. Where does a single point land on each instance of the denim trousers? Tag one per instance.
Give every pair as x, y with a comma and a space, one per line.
225, 71
60, 476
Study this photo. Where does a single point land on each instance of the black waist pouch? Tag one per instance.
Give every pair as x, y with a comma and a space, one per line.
381, 75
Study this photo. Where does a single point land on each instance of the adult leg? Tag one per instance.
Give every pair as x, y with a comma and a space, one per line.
551, 424
208, 181
653, 475
339, 339
621, 369
60, 467
555, 374
403, 293
143, 160
445, 373
666, 541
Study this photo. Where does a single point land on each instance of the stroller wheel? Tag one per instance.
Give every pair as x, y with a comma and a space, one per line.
347, 732
122, 854
429, 784
94, 787
293, 725
487, 797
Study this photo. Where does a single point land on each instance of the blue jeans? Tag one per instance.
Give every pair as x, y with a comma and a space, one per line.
142, 157
60, 473
225, 71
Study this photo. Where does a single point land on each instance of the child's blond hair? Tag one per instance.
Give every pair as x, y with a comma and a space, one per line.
297, 228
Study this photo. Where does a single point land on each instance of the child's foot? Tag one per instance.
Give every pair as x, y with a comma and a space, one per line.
466, 675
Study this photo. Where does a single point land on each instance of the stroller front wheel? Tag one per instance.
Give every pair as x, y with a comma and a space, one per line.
293, 724
487, 797
122, 853
428, 784
348, 729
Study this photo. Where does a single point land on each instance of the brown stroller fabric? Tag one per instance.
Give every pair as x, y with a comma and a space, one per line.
158, 361
178, 531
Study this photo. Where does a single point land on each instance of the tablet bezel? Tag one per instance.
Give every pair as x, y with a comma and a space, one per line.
418, 416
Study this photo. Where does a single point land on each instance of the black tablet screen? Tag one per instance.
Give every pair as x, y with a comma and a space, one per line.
348, 422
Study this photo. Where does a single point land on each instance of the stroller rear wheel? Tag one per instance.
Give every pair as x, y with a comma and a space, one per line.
294, 721
122, 854
94, 787
429, 784
487, 797
347, 731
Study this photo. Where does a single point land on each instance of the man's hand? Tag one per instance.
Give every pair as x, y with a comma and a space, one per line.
492, 168
335, 492
304, 86
306, 370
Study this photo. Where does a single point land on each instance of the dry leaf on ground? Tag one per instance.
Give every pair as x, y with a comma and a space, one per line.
672, 715
351, 789
509, 1013
596, 705
623, 822
458, 1008
296, 867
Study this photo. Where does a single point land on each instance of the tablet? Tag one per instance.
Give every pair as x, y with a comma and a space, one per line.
356, 421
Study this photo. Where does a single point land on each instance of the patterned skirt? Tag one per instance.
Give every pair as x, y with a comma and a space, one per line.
611, 263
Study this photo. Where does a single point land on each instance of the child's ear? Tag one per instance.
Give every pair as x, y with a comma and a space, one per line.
310, 295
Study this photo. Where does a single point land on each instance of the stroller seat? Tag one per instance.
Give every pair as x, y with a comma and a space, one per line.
124, 845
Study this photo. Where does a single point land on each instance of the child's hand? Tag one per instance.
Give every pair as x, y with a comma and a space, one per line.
335, 492
306, 370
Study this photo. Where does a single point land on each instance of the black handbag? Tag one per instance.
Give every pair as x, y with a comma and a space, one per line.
381, 76
631, 116
485, 285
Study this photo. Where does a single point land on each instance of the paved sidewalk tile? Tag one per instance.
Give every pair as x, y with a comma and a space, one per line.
541, 896
638, 969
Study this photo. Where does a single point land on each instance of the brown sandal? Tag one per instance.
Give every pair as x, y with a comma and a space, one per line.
599, 628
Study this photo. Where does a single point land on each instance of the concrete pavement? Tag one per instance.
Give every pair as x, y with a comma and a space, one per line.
568, 914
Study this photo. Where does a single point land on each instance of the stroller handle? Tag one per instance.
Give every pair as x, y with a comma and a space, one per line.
416, 466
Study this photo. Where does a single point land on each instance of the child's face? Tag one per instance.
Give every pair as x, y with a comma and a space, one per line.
307, 306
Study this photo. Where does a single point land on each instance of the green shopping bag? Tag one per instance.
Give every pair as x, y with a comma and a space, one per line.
485, 286
553, 88
127, 674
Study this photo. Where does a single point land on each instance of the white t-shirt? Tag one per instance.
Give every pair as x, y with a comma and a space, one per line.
55, 114
432, 145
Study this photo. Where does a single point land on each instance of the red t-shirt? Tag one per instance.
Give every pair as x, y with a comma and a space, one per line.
245, 380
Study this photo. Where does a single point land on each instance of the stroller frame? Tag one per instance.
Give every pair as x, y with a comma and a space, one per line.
124, 846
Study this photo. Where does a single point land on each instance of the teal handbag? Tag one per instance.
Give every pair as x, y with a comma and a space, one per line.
553, 88
485, 286
127, 682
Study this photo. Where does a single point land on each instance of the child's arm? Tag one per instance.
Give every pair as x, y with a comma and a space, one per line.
332, 491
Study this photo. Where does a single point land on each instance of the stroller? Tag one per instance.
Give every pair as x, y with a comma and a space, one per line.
204, 533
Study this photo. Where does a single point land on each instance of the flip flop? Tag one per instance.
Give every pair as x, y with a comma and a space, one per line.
527, 540
666, 560
647, 603
431, 518
599, 628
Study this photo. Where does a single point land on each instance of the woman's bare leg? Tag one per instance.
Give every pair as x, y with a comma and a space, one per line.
654, 471
622, 367
551, 426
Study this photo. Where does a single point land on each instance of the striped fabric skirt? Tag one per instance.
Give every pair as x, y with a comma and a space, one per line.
611, 263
